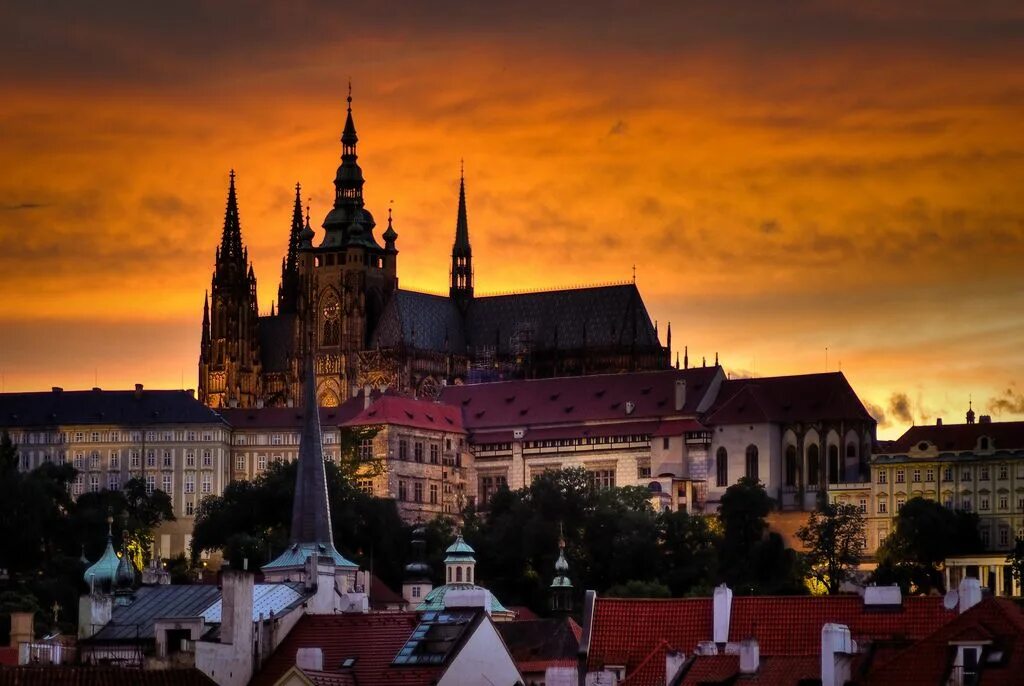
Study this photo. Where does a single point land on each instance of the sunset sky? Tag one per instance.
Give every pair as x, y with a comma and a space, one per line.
786, 176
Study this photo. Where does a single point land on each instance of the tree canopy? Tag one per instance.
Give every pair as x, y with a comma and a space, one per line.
834, 538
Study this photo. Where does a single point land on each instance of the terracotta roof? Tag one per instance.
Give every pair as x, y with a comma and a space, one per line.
960, 437
626, 631
419, 414
100, 676
928, 661
777, 670
679, 427
801, 397
329, 678
537, 644
103, 407
601, 397
381, 595
373, 639
8, 656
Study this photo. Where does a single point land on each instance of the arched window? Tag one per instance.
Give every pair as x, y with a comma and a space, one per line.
449, 575
469, 574
752, 466
331, 326
791, 470
722, 468
813, 465
834, 468
458, 574
654, 487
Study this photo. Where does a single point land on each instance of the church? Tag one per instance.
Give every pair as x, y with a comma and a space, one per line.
372, 334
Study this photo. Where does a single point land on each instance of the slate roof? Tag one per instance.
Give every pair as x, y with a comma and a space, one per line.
296, 554
595, 317
277, 338
538, 644
289, 417
599, 316
797, 398
266, 598
962, 437
103, 407
100, 676
420, 414
928, 661
572, 400
420, 320
373, 639
135, 622
637, 632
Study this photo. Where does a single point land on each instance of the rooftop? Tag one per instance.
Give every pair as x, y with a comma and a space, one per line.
961, 437
124, 408
418, 414
800, 397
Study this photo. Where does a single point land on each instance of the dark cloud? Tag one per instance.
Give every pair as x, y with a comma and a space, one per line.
22, 206
1011, 401
878, 413
770, 227
901, 409
619, 128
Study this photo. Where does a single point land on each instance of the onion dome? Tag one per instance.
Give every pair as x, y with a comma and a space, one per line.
125, 576
390, 235
306, 235
418, 569
100, 576
561, 579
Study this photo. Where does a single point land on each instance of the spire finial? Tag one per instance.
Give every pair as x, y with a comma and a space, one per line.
349, 99
232, 175
462, 168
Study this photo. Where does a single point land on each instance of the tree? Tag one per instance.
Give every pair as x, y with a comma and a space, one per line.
834, 538
1015, 559
925, 534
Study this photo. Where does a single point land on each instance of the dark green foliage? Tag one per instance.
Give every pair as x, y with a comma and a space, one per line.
43, 530
834, 537
925, 534
639, 589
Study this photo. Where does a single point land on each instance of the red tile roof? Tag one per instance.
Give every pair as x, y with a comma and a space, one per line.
928, 661
601, 397
626, 631
801, 397
373, 639
289, 417
100, 676
777, 670
9, 656
418, 414
961, 437
382, 595
538, 644
329, 678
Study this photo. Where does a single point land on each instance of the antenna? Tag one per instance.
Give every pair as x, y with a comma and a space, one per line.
826, 358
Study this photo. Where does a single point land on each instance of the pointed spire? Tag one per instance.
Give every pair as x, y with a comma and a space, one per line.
669, 335
561, 585
288, 292
231, 237
348, 136
390, 235
461, 287
306, 237
686, 357
462, 222
311, 510
677, 359
206, 319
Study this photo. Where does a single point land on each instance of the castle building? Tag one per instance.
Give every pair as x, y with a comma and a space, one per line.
370, 332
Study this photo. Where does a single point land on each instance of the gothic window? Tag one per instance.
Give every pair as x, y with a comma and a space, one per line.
752, 462
833, 464
813, 465
331, 326
791, 469
721, 468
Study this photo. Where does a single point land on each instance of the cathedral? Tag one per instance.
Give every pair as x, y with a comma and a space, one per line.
371, 333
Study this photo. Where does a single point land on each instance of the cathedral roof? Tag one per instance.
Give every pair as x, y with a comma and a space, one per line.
420, 320
595, 317
802, 397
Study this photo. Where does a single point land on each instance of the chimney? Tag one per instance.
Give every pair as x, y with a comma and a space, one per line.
366, 396
985, 419
138, 391
938, 421
630, 406
57, 389
674, 661
310, 659
722, 604
969, 593
750, 656
236, 607
680, 394
836, 648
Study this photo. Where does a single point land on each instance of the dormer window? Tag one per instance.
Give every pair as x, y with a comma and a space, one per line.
983, 444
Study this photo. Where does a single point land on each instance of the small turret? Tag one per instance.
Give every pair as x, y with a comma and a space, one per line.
970, 411
561, 586
459, 562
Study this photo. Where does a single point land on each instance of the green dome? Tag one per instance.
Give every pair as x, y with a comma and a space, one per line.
100, 575
435, 599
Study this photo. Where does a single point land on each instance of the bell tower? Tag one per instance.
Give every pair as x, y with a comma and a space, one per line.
461, 288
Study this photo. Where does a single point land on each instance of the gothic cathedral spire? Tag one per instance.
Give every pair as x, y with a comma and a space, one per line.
288, 292
461, 288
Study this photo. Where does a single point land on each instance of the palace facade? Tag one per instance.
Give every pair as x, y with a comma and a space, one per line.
370, 332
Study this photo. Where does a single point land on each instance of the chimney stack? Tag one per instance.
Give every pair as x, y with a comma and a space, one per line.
236, 607
674, 661
750, 656
969, 593
138, 391
836, 648
938, 421
722, 604
985, 419
680, 394
366, 396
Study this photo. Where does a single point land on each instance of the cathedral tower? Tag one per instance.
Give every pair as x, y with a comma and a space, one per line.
352, 276
288, 291
229, 358
461, 289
